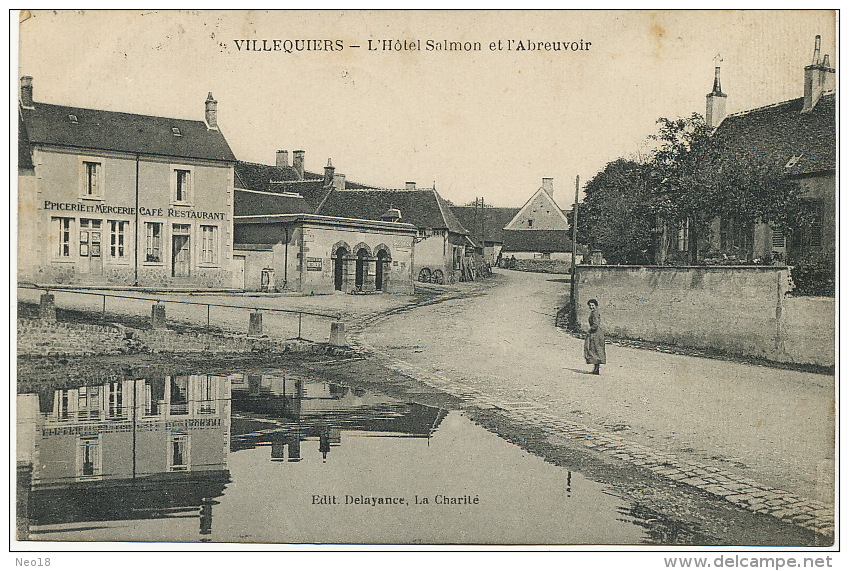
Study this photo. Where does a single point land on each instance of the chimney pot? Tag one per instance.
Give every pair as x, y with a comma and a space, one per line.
298, 163
819, 77
328, 174
26, 92
715, 100
282, 159
410, 185
211, 114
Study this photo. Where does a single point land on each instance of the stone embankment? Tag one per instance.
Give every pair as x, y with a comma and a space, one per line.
42, 338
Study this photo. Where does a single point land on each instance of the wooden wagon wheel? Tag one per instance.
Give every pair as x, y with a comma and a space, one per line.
438, 277
424, 275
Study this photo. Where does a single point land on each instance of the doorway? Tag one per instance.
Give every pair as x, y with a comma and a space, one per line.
361, 268
382, 270
339, 268
180, 251
91, 241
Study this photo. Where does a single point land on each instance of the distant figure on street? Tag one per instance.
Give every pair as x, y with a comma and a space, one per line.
594, 343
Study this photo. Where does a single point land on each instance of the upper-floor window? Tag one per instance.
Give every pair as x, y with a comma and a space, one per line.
182, 185
530, 222
89, 463
92, 179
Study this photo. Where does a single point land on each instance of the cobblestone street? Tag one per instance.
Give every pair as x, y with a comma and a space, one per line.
758, 437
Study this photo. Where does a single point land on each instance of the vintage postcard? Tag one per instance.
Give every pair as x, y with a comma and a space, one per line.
493, 279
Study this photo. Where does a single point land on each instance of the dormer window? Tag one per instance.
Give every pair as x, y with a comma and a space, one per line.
73, 119
176, 132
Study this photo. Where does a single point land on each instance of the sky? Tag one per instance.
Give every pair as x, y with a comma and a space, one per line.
489, 123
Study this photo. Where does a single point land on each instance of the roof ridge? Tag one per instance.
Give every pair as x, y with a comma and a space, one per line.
764, 107
36, 104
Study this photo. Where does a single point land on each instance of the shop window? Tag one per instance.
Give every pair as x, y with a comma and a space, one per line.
209, 244
182, 185
178, 453
62, 231
117, 238
92, 179
89, 462
88, 403
153, 242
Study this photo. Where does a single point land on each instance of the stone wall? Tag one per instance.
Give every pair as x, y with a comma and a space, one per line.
43, 338
737, 310
36, 337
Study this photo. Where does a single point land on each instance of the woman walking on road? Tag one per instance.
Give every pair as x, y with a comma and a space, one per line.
594, 342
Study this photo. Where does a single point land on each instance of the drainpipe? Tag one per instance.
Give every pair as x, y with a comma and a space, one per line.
136, 232
286, 259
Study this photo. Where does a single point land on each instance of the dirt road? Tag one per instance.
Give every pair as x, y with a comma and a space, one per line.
768, 425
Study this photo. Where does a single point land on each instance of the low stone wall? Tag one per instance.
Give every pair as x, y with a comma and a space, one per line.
542, 266
37, 337
737, 310
50, 338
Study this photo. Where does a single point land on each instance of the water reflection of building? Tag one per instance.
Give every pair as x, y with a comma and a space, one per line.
126, 449
284, 411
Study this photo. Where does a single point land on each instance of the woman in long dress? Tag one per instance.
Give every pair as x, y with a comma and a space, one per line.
594, 342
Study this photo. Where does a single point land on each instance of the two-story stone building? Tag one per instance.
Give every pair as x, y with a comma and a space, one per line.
119, 199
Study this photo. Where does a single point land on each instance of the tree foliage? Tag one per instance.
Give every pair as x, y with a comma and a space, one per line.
616, 215
692, 177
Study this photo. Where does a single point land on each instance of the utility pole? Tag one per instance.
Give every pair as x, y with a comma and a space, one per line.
574, 285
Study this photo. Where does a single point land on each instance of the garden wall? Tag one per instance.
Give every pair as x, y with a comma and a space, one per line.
737, 310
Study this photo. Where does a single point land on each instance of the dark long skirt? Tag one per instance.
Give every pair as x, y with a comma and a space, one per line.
594, 348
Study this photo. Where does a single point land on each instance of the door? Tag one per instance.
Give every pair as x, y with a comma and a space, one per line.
339, 269
180, 251
361, 269
91, 241
381, 271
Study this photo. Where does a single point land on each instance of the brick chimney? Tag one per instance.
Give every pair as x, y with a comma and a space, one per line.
819, 78
282, 159
548, 186
715, 100
26, 92
298, 163
328, 174
338, 181
410, 185
211, 114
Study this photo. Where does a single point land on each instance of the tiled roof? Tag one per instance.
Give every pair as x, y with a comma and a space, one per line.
114, 131
254, 176
423, 208
537, 241
252, 203
776, 134
487, 222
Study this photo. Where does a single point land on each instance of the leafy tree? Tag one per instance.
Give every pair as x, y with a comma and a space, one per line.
696, 178
616, 216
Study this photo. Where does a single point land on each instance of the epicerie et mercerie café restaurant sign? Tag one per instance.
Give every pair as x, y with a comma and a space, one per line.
131, 210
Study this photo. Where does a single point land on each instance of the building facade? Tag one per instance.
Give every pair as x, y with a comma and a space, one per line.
119, 199
318, 254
